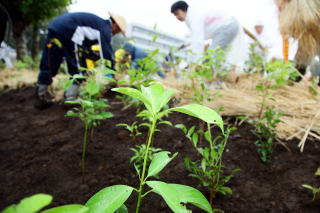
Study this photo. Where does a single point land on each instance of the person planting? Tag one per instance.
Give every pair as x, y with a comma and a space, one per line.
136, 54
66, 34
223, 28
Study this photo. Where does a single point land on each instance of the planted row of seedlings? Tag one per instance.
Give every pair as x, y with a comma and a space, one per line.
152, 100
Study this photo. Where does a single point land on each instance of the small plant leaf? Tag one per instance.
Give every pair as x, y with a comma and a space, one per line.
73, 208
33, 204
67, 84
92, 87
182, 127
166, 122
159, 161
109, 199
10, 209
225, 190
157, 96
135, 94
203, 164
202, 112
175, 194
122, 209
169, 194
195, 138
308, 187
191, 195
78, 76
317, 172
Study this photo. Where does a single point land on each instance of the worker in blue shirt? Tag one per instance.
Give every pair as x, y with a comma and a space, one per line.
67, 32
137, 54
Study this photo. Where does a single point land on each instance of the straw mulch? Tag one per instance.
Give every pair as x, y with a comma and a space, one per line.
15, 79
301, 108
11, 79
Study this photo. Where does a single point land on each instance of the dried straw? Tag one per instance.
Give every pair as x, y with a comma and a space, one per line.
300, 19
299, 105
11, 79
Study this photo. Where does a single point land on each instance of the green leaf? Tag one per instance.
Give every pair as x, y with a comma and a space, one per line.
135, 94
78, 76
122, 209
104, 115
191, 130
166, 122
92, 87
191, 195
10, 209
308, 187
225, 190
72, 102
32, 204
157, 96
72, 208
195, 139
182, 127
121, 82
203, 164
159, 161
71, 113
202, 112
317, 172
174, 195
109, 199
67, 84
169, 194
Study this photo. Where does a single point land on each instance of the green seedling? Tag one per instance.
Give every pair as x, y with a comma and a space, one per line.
209, 67
315, 191
265, 130
138, 156
133, 129
147, 67
139, 74
279, 73
154, 99
209, 169
112, 198
91, 107
256, 62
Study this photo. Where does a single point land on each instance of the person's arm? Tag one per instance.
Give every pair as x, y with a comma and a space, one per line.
107, 51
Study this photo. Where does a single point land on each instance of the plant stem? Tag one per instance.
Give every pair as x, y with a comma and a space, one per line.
210, 136
84, 147
211, 197
201, 124
142, 180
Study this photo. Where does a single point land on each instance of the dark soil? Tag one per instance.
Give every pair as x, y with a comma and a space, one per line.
40, 152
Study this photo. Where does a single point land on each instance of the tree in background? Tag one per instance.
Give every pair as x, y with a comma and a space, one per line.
31, 13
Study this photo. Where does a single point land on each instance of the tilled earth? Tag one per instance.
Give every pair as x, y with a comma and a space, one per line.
40, 152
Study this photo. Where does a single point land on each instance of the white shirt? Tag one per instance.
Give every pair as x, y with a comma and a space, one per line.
264, 40
202, 24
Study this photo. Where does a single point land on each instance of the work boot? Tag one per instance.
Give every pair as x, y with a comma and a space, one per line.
44, 98
72, 93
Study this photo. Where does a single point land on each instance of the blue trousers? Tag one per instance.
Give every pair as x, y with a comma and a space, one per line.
52, 57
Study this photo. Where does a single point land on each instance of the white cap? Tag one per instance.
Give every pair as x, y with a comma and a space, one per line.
259, 23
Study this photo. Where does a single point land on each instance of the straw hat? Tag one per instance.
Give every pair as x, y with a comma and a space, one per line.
120, 21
